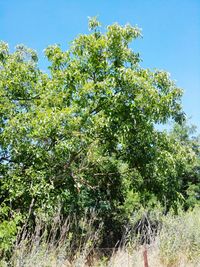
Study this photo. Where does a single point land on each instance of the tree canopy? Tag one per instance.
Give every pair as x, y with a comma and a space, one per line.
84, 135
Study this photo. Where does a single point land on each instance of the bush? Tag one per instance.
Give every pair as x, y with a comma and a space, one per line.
179, 239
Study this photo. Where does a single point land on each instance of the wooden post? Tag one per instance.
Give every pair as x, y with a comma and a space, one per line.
145, 257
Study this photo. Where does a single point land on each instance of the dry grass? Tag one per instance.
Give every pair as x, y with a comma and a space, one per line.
176, 245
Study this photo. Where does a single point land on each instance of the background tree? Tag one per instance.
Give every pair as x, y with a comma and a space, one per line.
186, 135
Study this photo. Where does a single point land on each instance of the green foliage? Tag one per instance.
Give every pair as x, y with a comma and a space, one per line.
8, 229
190, 178
84, 136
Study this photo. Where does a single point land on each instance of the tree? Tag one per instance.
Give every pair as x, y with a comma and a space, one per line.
84, 136
186, 135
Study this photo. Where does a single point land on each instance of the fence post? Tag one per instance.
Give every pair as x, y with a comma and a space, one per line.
145, 257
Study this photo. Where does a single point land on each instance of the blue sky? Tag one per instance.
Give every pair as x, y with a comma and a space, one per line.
171, 33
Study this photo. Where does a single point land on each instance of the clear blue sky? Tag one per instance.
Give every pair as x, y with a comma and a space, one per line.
171, 33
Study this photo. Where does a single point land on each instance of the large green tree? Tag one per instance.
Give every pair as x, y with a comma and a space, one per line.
84, 135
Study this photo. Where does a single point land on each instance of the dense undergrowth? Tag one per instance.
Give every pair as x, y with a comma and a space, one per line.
176, 242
